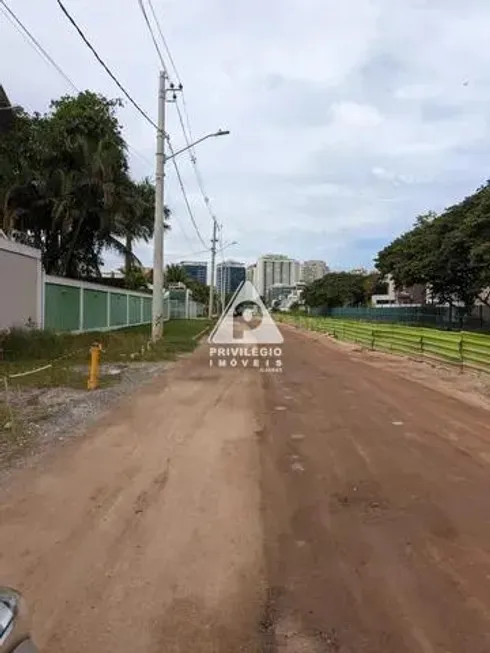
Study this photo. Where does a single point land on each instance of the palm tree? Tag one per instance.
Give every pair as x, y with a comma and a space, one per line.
135, 217
176, 274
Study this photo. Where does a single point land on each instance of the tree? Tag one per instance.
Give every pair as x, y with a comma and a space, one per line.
135, 278
176, 274
136, 216
450, 252
200, 291
65, 187
337, 289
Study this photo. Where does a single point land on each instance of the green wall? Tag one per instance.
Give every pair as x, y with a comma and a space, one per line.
61, 307
119, 309
134, 310
147, 309
94, 309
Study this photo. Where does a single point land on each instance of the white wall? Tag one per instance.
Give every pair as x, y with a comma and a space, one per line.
21, 285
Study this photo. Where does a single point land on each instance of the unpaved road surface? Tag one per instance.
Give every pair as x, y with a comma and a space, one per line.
335, 507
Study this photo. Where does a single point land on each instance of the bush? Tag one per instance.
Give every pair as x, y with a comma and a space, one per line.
35, 344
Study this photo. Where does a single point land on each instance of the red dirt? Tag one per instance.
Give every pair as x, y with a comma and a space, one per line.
336, 507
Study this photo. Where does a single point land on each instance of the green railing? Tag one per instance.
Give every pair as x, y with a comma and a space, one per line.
461, 348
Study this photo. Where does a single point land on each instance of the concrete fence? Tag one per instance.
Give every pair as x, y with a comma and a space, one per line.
28, 297
72, 305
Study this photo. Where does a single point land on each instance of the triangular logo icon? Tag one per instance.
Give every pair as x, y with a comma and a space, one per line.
246, 321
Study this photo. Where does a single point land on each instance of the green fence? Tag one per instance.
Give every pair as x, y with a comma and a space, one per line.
71, 305
442, 317
465, 349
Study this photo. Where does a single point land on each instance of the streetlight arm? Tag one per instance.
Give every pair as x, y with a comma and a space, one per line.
233, 242
200, 140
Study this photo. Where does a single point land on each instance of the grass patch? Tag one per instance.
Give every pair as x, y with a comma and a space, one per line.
25, 350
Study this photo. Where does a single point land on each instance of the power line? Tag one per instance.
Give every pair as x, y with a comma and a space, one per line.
39, 49
157, 22
194, 164
179, 177
187, 137
31, 39
104, 66
172, 62
153, 38
182, 188
191, 149
187, 254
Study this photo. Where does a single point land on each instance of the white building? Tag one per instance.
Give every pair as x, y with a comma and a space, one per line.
272, 269
389, 297
251, 273
313, 270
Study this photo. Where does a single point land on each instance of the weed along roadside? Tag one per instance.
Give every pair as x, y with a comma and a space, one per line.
44, 376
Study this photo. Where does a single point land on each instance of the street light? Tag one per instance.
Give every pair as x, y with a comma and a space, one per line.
10, 107
220, 132
161, 159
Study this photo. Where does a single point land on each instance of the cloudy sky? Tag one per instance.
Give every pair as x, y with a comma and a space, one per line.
347, 119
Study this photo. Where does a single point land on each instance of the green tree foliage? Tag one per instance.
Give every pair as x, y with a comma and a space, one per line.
176, 274
200, 291
65, 186
339, 289
135, 278
450, 252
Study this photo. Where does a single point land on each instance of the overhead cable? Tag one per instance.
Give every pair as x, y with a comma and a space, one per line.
104, 65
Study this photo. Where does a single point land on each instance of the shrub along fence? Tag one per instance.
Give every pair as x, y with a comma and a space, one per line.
465, 349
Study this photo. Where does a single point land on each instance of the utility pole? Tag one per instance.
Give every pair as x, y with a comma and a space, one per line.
224, 277
224, 283
157, 298
214, 240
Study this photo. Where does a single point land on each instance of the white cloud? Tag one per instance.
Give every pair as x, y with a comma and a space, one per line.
345, 124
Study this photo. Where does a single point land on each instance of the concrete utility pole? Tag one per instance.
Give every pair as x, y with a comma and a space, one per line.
214, 240
157, 298
223, 286
224, 278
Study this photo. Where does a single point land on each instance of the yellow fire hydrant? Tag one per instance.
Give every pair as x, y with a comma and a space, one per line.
93, 375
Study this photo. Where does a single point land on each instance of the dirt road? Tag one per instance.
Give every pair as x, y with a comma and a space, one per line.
335, 507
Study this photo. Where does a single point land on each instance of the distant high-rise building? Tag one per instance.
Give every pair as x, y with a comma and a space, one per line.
229, 276
251, 273
275, 269
313, 270
196, 270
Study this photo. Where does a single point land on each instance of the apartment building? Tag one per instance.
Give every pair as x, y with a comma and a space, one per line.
313, 270
272, 269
